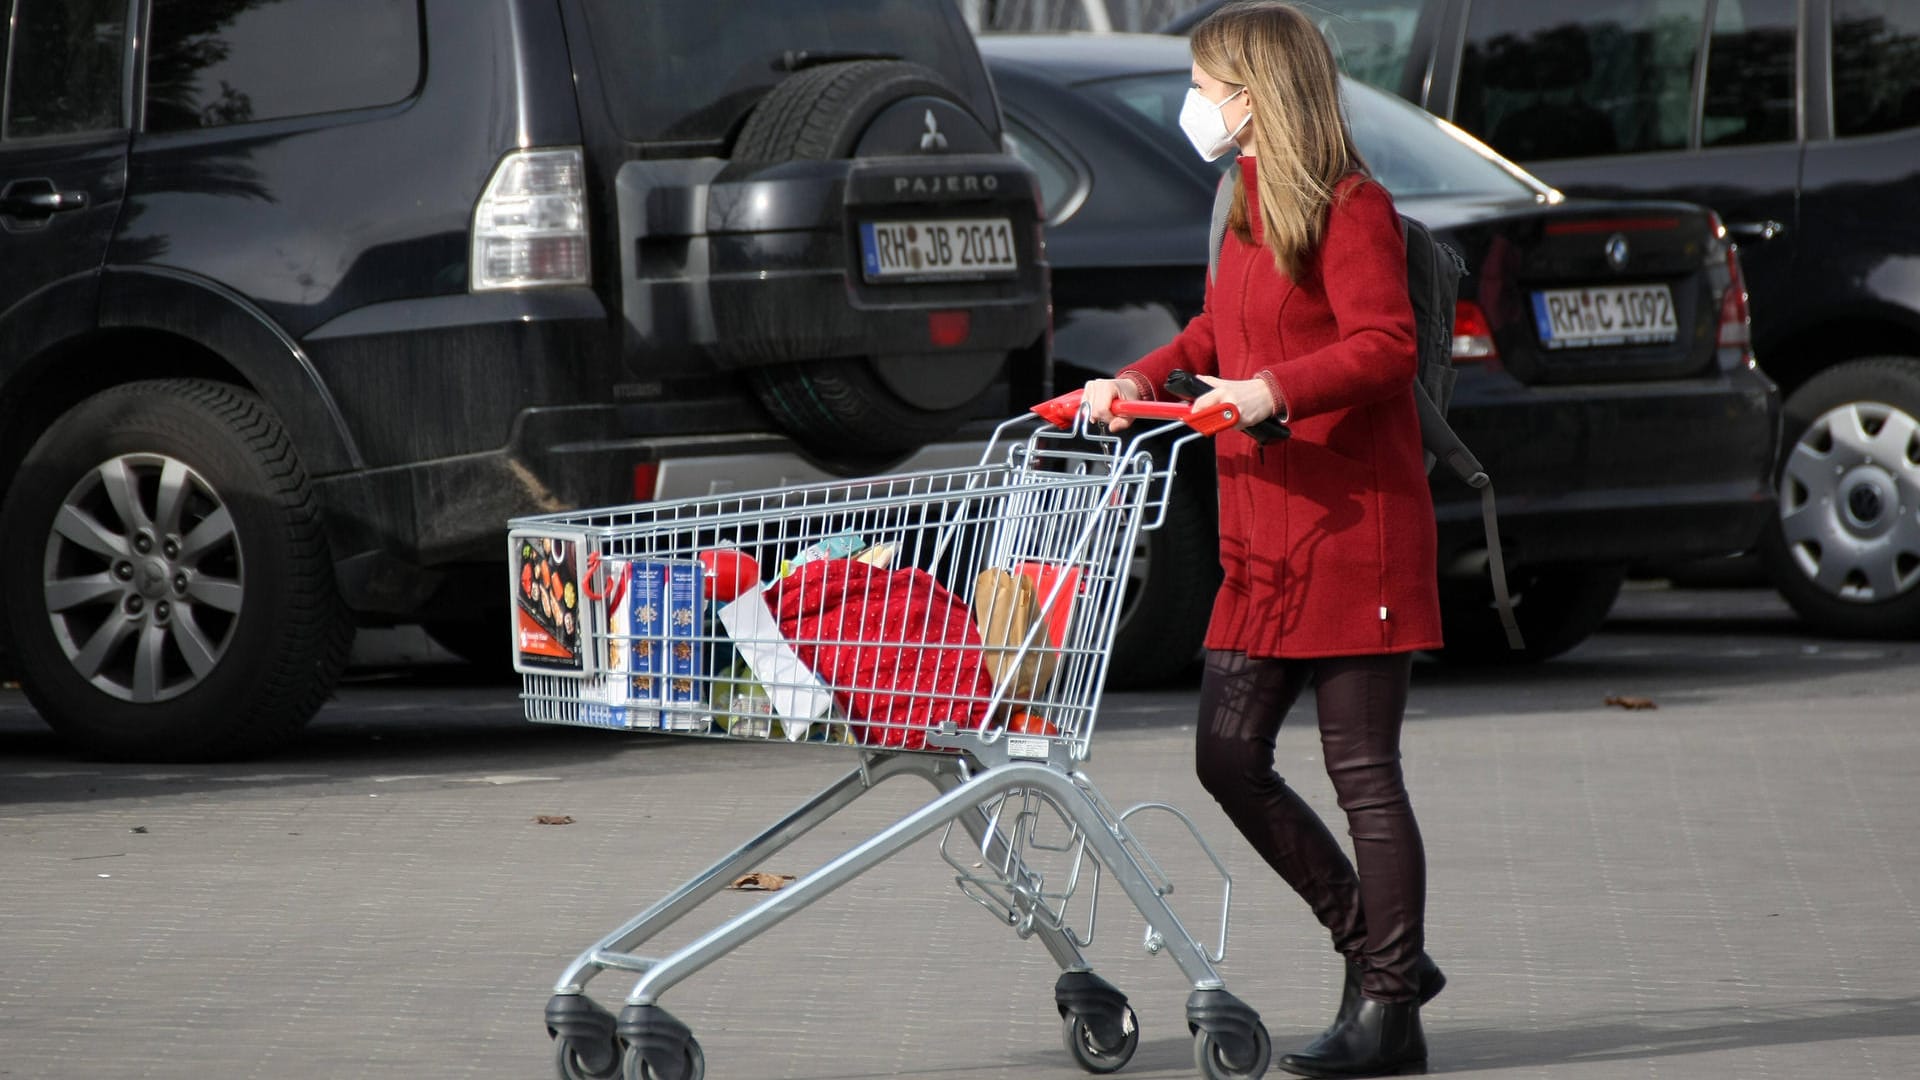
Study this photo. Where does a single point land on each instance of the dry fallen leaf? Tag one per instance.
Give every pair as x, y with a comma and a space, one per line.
554, 819
760, 881
1623, 702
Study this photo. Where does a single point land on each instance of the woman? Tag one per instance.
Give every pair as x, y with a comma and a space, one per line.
1326, 538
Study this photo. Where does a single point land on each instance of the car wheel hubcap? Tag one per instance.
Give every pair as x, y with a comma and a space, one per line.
143, 578
1850, 502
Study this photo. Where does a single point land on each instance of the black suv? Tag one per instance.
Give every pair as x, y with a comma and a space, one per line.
1799, 121
300, 300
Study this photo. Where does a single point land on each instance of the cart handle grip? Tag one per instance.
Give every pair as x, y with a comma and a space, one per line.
1212, 420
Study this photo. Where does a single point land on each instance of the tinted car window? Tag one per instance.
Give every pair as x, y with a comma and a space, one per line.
218, 62
729, 55
1876, 66
65, 75
1750, 92
1409, 151
1058, 180
1580, 78
1371, 38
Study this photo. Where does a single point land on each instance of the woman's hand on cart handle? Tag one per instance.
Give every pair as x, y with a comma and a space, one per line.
1100, 396
1251, 398
1121, 410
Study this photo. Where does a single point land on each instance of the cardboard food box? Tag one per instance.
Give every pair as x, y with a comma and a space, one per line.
656, 663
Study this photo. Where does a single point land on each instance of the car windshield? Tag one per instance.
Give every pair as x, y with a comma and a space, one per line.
688, 70
1409, 150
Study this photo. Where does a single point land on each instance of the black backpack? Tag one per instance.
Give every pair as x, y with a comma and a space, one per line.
1434, 271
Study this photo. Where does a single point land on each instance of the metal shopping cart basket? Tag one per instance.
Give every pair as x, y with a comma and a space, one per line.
953, 625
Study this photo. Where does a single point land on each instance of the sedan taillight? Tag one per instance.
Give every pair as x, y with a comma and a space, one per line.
530, 226
1472, 334
1736, 328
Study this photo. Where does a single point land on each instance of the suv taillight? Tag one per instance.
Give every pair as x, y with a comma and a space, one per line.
530, 226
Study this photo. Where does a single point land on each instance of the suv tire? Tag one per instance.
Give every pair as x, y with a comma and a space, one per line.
848, 405
1845, 547
1556, 607
172, 594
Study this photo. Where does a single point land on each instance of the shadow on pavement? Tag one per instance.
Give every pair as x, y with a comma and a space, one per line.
1689, 1031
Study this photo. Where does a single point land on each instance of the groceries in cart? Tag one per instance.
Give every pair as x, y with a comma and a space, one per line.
838, 646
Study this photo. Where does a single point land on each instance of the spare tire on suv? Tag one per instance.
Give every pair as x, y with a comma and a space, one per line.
881, 404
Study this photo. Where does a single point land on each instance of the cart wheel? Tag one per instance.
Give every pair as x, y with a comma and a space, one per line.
1213, 1064
693, 1067
574, 1061
1095, 1058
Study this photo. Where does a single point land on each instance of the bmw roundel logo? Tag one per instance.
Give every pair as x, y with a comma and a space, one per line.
1617, 251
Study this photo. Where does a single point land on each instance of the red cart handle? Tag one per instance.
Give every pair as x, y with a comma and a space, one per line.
1212, 420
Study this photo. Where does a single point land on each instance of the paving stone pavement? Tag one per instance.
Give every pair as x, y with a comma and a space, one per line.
1727, 889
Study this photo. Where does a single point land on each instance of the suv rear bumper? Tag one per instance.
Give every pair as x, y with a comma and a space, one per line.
1659, 471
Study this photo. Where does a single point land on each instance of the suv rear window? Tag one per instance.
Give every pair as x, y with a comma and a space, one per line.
1373, 39
691, 70
1580, 78
1876, 66
65, 74
214, 64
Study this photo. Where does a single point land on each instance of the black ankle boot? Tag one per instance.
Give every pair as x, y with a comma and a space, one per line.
1428, 981
1379, 1039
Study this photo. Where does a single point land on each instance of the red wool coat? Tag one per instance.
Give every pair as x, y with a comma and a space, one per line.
1327, 538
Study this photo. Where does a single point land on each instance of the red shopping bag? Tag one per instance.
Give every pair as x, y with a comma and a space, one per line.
899, 650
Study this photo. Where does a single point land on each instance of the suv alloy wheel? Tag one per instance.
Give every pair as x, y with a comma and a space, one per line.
173, 596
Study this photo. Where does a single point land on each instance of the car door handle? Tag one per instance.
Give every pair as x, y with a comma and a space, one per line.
1757, 230
39, 198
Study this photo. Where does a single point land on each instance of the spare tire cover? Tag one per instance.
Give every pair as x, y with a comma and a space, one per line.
877, 406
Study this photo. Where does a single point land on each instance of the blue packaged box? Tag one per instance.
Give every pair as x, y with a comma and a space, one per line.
656, 673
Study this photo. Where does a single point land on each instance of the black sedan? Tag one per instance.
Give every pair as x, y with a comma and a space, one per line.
1607, 449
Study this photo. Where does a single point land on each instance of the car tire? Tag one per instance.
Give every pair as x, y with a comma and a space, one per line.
171, 592
866, 408
1171, 582
1556, 608
1844, 549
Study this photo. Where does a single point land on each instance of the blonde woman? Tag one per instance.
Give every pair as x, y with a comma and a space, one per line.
1327, 537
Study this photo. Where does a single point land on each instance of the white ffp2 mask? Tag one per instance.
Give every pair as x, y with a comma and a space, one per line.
1206, 128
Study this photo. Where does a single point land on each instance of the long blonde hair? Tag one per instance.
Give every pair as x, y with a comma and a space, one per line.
1293, 87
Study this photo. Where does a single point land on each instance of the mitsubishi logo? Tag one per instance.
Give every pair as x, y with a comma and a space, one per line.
1617, 251
933, 140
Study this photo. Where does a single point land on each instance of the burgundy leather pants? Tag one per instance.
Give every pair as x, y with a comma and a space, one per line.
1377, 916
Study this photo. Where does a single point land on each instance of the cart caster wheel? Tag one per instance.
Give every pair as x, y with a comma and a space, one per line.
692, 1067
577, 1061
1213, 1063
1086, 1047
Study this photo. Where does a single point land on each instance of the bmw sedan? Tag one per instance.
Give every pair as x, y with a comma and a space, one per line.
1609, 445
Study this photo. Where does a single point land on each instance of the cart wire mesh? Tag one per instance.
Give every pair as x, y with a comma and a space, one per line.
872, 613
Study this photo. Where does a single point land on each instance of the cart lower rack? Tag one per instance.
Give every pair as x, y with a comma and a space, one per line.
952, 625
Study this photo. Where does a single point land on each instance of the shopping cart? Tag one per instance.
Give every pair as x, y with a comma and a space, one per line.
953, 625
